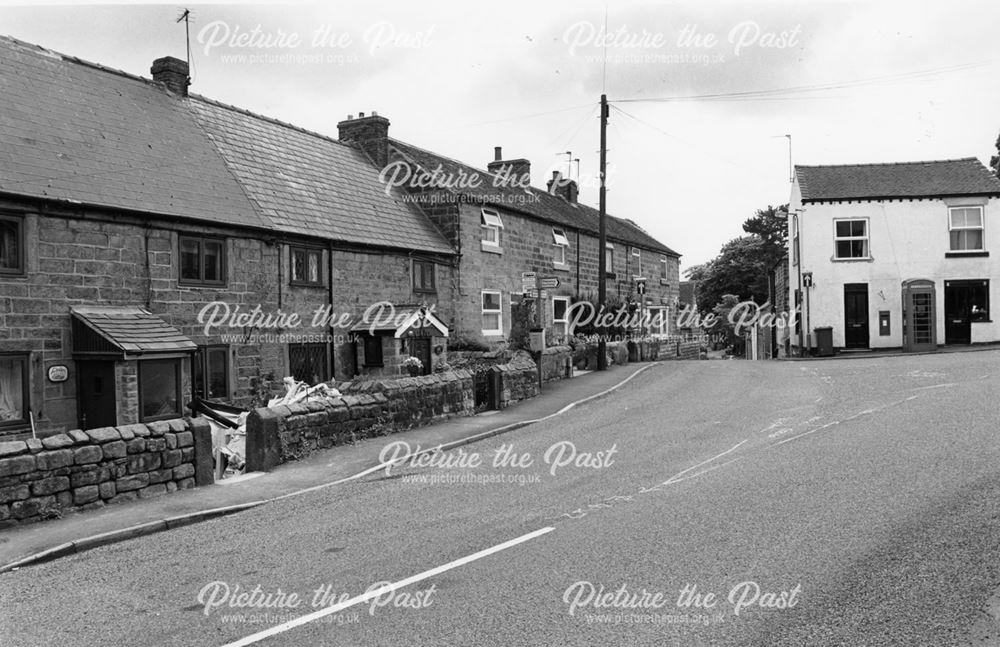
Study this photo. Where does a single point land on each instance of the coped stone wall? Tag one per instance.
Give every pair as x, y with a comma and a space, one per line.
370, 408
40, 479
519, 380
679, 349
364, 409
557, 363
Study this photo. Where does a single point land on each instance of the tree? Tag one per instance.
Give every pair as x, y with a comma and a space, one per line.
741, 269
995, 160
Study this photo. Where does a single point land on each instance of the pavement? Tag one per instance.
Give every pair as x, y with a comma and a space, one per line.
80, 531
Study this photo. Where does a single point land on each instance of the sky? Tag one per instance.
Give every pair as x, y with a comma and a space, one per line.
704, 95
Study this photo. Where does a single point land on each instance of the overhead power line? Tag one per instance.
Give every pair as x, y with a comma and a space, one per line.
776, 93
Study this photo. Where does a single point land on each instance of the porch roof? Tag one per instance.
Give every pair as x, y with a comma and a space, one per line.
125, 332
403, 321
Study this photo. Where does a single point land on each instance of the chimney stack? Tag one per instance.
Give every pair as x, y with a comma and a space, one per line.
564, 187
370, 133
172, 73
517, 171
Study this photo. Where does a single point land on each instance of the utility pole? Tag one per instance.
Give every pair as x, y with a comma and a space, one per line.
602, 241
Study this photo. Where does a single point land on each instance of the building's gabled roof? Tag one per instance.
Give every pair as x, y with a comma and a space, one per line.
532, 201
77, 132
935, 179
309, 184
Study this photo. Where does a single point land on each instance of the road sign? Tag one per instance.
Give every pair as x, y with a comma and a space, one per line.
529, 281
548, 282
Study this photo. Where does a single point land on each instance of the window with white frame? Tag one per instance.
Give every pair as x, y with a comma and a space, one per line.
636, 262
609, 258
561, 244
656, 324
492, 224
851, 238
965, 227
492, 313
560, 316
664, 268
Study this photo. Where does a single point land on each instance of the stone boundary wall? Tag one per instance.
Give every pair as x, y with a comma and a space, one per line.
680, 350
519, 380
41, 478
372, 408
557, 363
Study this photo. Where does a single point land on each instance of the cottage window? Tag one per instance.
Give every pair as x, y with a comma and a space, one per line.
851, 239
965, 225
656, 322
560, 320
561, 245
306, 266
203, 261
423, 277
492, 313
13, 390
307, 362
210, 370
637, 260
159, 389
609, 259
11, 244
664, 267
491, 230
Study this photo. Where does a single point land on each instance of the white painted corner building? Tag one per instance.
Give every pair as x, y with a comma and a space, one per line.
894, 255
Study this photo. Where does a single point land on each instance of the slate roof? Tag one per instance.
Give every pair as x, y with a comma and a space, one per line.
537, 203
934, 179
75, 131
133, 330
78, 132
309, 184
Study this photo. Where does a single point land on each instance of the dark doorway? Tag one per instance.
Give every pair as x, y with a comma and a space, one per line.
856, 315
96, 394
420, 347
964, 301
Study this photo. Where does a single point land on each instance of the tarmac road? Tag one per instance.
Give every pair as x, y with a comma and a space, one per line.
844, 502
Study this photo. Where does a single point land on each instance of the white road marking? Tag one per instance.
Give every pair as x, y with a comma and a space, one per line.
933, 386
676, 477
365, 597
837, 422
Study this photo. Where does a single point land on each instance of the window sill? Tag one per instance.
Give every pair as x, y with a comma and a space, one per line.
664, 282
490, 248
560, 267
304, 284
492, 333
865, 259
425, 291
13, 274
971, 254
182, 283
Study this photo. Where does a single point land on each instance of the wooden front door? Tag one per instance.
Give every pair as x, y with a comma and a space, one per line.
96, 394
420, 347
856, 315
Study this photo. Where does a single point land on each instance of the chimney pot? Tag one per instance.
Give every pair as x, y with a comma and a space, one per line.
172, 73
497, 154
361, 115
